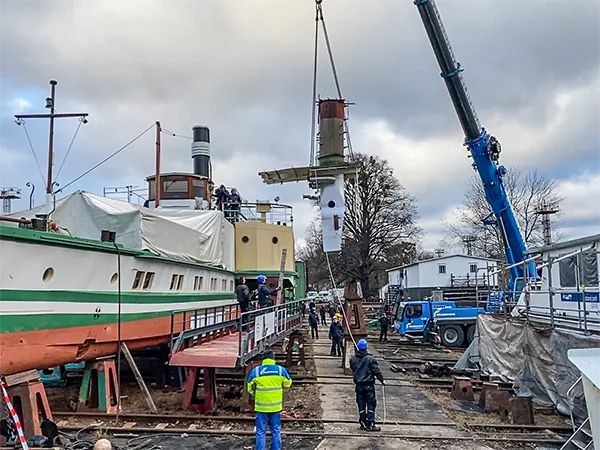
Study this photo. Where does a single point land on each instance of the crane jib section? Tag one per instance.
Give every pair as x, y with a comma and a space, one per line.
483, 147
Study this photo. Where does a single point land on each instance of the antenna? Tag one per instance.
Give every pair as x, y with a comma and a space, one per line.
50, 103
546, 209
469, 240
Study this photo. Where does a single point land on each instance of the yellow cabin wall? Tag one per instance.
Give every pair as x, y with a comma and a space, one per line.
259, 252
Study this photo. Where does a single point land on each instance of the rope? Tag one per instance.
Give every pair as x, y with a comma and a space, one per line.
313, 136
69, 149
33, 151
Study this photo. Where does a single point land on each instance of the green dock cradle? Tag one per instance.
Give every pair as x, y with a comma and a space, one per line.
53, 376
99, 388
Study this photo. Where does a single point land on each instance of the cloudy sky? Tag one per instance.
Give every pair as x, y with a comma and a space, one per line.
244, 68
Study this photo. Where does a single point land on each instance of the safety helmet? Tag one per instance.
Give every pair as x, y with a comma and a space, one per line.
261, 279
362, 344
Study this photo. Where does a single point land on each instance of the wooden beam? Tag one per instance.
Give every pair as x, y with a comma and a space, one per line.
138, 377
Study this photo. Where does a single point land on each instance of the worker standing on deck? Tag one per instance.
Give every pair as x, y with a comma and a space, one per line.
364, 371
266, 383
264, 293
242, 294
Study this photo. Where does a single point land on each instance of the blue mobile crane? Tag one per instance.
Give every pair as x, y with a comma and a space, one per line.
442, 321
483, 147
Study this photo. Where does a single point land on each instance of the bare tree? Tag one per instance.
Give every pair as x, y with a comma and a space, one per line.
526, 190
379, 224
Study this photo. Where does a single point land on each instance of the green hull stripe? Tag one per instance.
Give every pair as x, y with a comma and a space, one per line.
137, 297
12, 324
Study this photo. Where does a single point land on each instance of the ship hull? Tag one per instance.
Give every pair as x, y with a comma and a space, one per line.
57, 333
61, 299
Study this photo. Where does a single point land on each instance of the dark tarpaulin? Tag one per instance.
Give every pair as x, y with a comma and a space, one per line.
534, 360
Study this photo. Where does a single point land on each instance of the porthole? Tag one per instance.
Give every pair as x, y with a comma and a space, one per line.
245, 239
114, 278
48, 274
275, 240
331, 204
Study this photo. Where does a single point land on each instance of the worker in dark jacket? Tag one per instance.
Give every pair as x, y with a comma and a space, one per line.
336, 336
384, 324
313, 321
364, 371
264, 293
242, 294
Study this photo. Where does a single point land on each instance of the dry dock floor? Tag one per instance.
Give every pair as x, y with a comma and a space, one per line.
403, 403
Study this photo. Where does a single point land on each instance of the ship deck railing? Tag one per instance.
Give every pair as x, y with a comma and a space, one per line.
272, 213
201, 336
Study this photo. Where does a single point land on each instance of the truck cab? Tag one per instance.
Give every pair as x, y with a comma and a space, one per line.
437, 321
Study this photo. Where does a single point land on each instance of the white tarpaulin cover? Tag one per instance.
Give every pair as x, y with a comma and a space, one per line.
188, 235
535, 360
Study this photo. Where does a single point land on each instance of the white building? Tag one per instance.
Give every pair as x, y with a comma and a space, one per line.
417, 280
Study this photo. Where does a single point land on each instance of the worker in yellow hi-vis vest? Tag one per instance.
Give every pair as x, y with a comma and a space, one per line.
266, 383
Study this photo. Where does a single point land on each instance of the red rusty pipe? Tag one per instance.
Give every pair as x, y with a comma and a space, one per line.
15, 220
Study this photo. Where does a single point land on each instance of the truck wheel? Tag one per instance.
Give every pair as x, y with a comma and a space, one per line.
452, 336
470, 333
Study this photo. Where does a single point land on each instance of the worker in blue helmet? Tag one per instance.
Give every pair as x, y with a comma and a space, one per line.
264, 292
365, 370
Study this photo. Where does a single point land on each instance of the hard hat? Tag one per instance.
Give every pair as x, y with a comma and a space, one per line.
362, 344
261, 279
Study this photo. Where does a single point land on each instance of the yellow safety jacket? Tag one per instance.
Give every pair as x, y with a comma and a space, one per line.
266, 383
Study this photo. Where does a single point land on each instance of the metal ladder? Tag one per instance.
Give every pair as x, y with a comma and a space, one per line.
582, 438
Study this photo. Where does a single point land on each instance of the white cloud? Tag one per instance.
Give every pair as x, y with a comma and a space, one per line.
581, 206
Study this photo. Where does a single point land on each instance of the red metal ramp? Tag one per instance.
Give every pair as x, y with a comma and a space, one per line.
218, 353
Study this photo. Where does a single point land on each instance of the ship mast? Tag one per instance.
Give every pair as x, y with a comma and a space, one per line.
50, 103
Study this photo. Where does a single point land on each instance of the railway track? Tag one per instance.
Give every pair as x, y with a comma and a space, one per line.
242, 425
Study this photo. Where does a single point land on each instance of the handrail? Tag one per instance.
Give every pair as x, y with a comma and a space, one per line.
273, 322
275, 213
571, 409
280, 320
195, 322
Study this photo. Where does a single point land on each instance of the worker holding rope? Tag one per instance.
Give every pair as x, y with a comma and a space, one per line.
364, 371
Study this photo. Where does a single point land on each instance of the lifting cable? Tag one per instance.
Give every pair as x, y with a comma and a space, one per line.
319, 18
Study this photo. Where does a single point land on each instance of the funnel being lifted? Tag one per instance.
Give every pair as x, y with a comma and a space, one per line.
328, 177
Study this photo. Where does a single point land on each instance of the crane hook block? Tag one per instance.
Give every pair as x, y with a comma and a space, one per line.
318, 2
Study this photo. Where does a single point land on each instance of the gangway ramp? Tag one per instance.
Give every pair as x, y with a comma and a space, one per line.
202, 341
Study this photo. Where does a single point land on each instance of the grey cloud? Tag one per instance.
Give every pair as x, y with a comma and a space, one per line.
244, 69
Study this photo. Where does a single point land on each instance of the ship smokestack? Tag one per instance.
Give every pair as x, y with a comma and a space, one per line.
201, 150
331, 132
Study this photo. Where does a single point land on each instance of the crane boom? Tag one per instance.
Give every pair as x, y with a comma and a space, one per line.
484, 148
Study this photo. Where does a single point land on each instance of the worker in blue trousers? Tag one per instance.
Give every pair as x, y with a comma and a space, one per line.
266, 383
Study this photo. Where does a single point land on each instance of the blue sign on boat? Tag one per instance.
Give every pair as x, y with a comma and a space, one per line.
590, 297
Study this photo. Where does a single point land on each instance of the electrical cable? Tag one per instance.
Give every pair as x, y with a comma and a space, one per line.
118, 330
69, 148
106, 159
170, 133
33, 151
